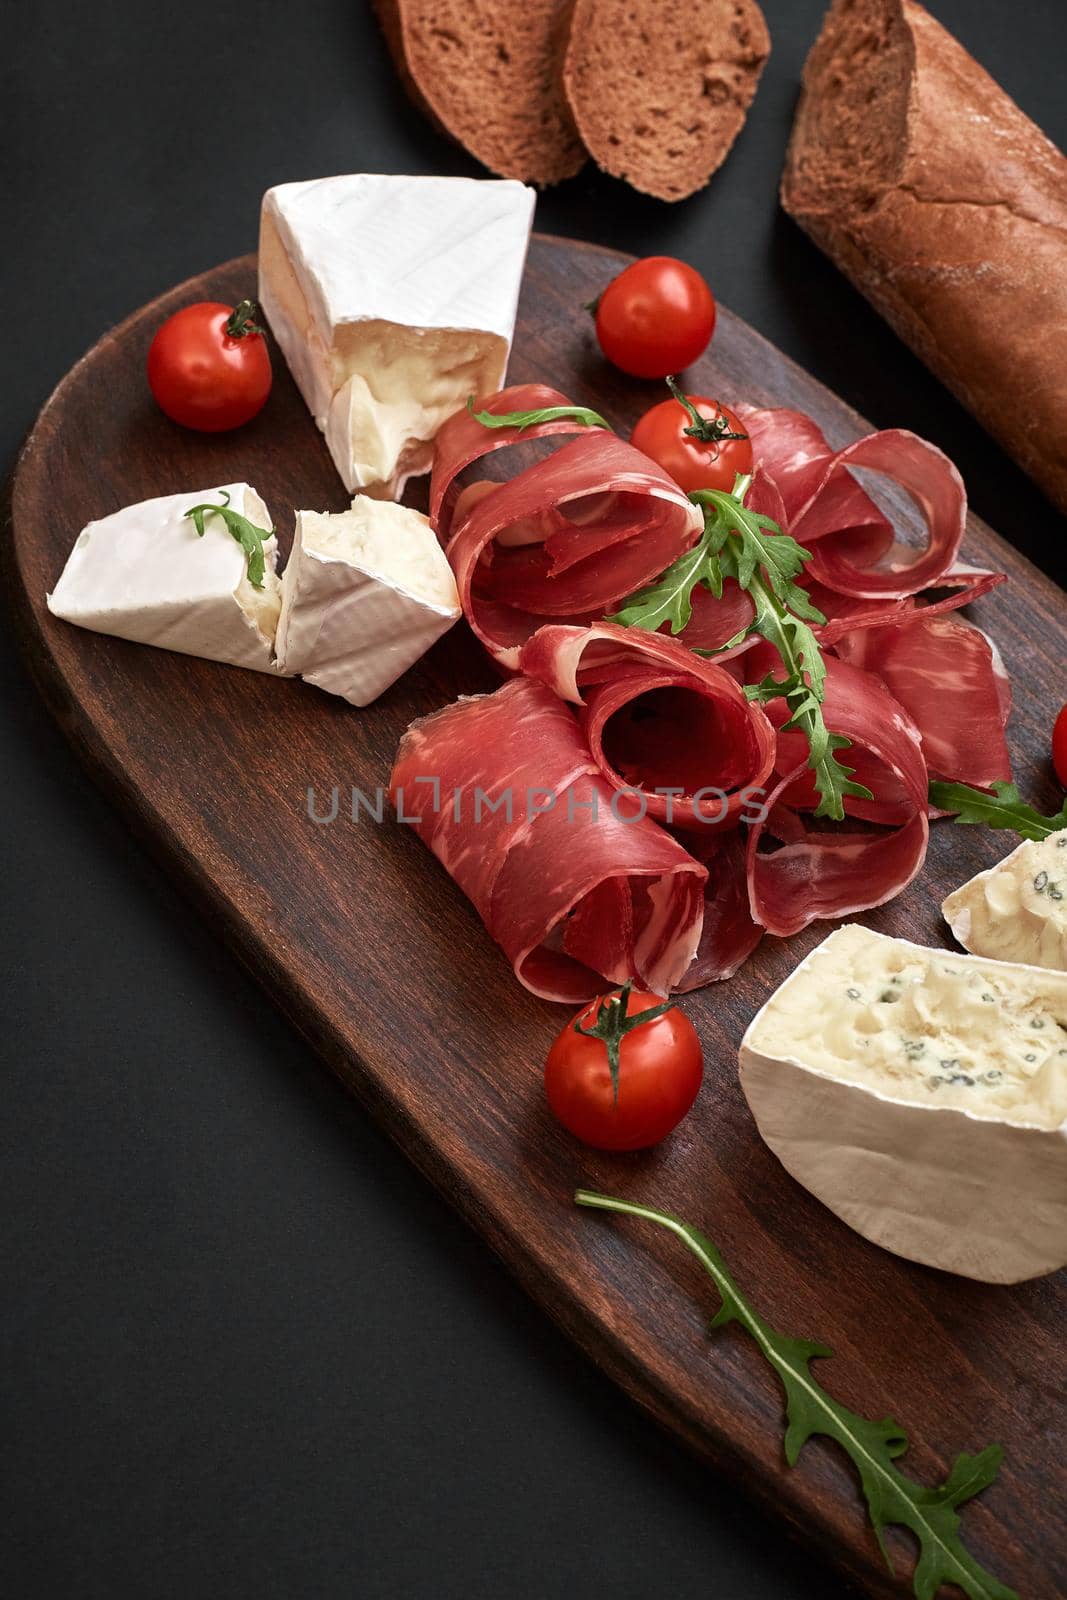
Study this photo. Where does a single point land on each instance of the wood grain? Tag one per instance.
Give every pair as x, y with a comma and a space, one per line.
362, 940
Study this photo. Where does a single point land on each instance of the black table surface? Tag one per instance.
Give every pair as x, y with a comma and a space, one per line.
246, 1351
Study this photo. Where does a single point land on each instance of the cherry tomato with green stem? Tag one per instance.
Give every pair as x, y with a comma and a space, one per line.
624, 1071
209, 367
656, 317
698, 441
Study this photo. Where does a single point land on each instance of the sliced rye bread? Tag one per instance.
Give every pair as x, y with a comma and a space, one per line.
947, 208
490, 75
660, 91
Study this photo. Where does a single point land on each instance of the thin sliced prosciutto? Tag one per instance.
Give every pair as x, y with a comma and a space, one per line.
730, 932
463, 440
670, 728
845, 614
834, 871
950, 679
854, 549
570, 537
503, 790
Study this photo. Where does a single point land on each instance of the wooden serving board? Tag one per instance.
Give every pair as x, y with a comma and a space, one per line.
364, 942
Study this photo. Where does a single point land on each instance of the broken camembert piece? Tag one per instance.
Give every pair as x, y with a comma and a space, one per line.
393, 300
922, 1096
145, 573
1017, 911
366, 592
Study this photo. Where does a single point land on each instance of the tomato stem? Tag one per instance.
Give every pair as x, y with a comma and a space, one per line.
612, 1024
242, 320
707, 430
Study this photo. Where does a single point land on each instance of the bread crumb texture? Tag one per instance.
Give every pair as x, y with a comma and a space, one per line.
491, 76
660, 92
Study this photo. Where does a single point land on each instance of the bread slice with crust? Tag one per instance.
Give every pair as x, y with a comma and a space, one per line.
490, 75
660, 92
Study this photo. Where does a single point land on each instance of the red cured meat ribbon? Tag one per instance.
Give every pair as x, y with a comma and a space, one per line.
949, 677
625, 734
855, 552
570, 537
579, 895
659, 718
836, 872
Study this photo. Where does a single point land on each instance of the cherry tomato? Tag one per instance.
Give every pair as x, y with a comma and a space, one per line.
208, 366
656, 317
1059, 746
659, 1065
669, 434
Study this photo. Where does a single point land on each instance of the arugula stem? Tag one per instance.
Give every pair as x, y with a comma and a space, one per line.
529, 419
891, 1496
751, 549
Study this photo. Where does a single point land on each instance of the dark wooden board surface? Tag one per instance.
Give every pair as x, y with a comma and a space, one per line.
363, 941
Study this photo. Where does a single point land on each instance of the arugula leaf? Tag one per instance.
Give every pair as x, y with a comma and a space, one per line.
874, 1447
748, 547
802, 689
668, 599
248, 536
757, 543
716, 556
527, 419
1002, 809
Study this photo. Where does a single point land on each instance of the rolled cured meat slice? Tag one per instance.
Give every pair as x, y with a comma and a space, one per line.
503, 790
836, 872
661, 722
949, 677
854, 549
570, 537
463, 440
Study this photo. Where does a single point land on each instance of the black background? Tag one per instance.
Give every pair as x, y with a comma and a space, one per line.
246, 1351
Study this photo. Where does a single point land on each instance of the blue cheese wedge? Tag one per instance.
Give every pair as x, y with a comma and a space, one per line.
393, 300
922, 1096
145, 574
366, 592
1017, 911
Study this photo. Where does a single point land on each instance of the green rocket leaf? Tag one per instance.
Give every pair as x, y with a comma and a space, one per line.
893, 1499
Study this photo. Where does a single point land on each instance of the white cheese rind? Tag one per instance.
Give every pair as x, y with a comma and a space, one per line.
365, 593
145, 574
967, 1176
1017, 910
393, 299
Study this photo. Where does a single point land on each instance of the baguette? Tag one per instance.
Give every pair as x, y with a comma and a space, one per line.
947, 208
660, 92
490, 76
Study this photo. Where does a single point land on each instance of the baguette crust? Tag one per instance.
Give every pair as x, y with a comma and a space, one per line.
947, 208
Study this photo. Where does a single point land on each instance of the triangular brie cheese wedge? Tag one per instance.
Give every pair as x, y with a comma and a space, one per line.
365, 593
393, 300
922, 1096
145, 574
